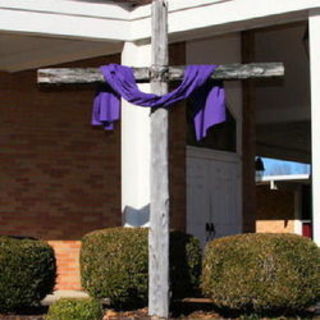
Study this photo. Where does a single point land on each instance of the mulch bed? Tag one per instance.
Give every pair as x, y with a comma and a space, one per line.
198, 308
201, 309
181, 310
34, 313
142, 314
21, 317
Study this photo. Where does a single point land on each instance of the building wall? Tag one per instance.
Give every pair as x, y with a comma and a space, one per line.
177, 149
275, 210
289, 99
60, 176
249, 205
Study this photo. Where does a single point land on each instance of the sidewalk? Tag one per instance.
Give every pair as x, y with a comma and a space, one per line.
50, 298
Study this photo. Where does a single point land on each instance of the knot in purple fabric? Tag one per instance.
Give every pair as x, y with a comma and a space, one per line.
208, 100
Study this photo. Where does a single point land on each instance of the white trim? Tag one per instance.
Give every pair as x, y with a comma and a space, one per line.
71, 8
297, 227
223, 17
105, 21
59, 25
288, 177
174, 6
272, 180
314, 42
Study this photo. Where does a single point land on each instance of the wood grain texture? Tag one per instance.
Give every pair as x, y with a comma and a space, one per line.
159, 202
63, 76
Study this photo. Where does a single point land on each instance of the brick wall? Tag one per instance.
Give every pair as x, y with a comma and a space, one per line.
60, 178
177, 149
249, 205
67, 255
275, 210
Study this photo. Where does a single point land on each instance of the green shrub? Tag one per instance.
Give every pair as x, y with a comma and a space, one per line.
75, 309
27, 273
262, 273
114, 265
185, 265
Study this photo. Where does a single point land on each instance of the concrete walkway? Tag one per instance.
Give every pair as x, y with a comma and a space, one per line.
50, 298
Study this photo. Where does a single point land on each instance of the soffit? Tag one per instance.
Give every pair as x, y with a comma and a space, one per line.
20, 52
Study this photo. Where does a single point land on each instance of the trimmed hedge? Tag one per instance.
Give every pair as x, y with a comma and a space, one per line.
262, 273
27, 273
75, 309
114, 265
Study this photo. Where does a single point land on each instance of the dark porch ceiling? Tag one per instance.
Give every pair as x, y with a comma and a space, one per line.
283, 113
287, 141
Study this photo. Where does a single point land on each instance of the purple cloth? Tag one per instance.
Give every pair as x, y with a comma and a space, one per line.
208, 99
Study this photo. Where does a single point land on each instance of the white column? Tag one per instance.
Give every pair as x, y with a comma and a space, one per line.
297, 227
135, 146
314, 41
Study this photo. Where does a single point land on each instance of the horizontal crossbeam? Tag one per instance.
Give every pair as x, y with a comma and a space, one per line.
79, 76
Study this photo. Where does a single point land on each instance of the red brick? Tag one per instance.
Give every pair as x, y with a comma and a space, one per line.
60, 176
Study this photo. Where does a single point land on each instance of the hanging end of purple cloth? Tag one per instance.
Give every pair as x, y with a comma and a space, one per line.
108, 126
106, 108
213, 112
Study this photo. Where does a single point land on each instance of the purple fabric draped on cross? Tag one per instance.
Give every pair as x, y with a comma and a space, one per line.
208, 98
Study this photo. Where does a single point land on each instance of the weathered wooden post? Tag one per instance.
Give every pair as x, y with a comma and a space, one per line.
159, 202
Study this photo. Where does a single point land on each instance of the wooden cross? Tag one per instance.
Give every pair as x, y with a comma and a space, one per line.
159, 75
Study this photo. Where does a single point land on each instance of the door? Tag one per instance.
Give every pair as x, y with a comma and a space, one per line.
213, 193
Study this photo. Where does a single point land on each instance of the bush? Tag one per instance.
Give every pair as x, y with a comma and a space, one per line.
262, 273
75, 309
185, 264
27, 273
114, 265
